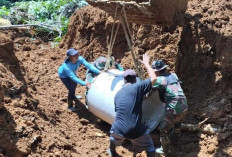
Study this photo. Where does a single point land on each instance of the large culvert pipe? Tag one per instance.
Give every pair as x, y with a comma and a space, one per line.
100, 99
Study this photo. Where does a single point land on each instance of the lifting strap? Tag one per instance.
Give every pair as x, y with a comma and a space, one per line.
111, 43
125, 25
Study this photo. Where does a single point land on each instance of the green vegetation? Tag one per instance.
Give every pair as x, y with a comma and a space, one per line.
5, 3
4, 11
53, 15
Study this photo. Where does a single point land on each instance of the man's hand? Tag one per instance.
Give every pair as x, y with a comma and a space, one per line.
146, 59
150, 71
88, 85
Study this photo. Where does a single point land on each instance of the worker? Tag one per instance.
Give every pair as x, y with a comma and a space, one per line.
100, 64
67, 74
128, 108
171, 93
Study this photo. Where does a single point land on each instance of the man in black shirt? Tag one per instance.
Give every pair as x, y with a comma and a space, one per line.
128, 108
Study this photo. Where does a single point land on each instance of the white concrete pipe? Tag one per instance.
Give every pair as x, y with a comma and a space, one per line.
100, 99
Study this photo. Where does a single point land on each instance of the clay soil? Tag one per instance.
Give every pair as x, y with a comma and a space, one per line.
35, 121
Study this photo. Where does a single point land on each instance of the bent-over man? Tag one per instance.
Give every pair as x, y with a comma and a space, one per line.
128, 108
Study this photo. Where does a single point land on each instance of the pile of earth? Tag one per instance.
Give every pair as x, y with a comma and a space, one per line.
34, 120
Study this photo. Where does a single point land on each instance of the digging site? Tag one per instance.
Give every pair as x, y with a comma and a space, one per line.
196, 45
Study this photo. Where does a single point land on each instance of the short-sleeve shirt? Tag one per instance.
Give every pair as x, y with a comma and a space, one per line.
170, 88
128, 108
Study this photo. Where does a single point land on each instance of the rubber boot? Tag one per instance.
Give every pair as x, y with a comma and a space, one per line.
70, 102
165, 145
166, 148
112, 150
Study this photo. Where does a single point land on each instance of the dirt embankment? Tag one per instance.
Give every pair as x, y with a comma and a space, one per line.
34, 120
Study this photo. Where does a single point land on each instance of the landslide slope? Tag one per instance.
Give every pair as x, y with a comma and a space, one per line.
34, 120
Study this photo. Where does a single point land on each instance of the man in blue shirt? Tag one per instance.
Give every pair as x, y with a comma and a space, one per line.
67, 73
128, 108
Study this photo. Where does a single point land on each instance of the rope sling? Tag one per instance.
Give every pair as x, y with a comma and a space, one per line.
123, 20
111, 43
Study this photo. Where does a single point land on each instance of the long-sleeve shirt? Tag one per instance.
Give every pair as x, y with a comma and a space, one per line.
170, 92
68, 70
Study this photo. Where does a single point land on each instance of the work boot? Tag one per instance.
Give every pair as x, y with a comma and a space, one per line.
165, 145
112, 153
70, 102
112, 150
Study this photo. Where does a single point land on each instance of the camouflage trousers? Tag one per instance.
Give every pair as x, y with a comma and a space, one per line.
173, 116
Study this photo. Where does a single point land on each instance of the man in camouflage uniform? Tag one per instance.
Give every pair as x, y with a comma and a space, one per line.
100, 65
171, 93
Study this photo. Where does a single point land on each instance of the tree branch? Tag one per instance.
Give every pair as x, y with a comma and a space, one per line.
47, 26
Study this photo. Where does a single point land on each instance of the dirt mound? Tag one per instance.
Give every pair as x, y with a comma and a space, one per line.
34, 118
35, 121
198, 50
159, 12
90, 30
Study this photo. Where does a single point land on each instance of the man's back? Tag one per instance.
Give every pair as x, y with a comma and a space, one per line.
128, 107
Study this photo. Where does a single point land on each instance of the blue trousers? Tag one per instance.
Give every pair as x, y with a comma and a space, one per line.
71, 86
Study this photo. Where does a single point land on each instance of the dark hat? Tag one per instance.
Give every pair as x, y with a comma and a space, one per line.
100, 63
71, 52
129, 72
158, 65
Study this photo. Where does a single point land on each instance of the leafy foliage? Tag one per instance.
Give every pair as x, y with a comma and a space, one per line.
5, 3
54, 13
4, 11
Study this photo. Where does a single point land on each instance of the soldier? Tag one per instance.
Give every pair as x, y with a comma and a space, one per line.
100, 64
171, 93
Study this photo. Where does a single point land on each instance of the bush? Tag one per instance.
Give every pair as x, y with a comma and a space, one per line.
53, 14
5, 3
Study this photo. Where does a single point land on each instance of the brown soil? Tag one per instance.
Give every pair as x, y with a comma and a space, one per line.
34, 120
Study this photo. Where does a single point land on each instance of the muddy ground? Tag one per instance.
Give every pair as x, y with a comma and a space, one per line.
35, 121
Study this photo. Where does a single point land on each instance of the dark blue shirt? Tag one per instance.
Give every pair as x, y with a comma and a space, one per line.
128, 108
